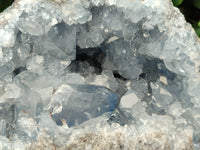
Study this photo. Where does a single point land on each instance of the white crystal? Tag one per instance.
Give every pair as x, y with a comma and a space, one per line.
105, 79
176, 109
128, 100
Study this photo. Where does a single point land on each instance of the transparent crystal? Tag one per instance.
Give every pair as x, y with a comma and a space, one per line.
80, 103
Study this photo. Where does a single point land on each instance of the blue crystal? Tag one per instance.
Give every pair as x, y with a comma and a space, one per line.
85, 102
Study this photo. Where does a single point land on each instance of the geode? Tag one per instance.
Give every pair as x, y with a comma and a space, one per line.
98, 74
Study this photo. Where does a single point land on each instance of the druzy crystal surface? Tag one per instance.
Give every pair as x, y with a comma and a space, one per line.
98, 74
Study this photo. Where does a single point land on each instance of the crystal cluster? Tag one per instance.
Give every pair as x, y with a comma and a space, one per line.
98, 74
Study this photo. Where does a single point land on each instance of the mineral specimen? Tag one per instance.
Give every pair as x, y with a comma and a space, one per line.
98, 74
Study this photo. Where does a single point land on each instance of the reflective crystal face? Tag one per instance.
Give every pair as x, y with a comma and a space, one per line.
98, 74
83, 102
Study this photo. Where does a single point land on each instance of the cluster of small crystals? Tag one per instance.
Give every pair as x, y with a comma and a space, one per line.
71, 70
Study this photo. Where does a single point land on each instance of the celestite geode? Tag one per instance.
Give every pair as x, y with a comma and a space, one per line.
98, 74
